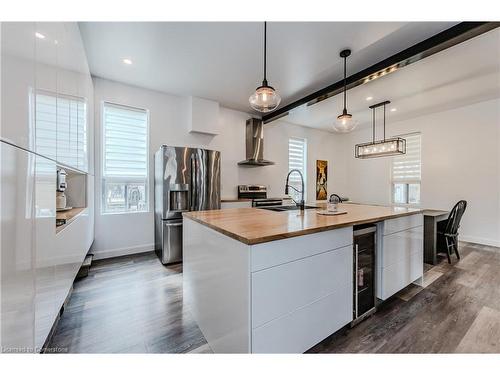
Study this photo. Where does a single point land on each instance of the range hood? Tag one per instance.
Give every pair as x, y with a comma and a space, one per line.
255, 144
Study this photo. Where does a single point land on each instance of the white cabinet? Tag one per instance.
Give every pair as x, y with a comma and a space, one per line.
203, 116
235, 204
48, 110
281, 296
45, 304
297, 304
18, 80
305, 327
17, 247
49, 104
400, 256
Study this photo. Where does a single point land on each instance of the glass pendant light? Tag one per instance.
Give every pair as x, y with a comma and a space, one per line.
386, 147
265, 98
345, 123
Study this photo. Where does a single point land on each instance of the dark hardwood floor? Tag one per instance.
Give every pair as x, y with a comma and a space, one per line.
134, 304
129, 304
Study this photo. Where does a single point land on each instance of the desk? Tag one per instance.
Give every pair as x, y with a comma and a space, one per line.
431, 218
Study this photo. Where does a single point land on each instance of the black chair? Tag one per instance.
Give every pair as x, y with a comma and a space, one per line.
447, 231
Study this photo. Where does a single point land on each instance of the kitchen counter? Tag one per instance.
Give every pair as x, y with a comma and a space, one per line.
69, 216
236, 200
253, 226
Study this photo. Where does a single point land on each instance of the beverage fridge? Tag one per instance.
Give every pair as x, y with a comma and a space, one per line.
186, 179
365, 244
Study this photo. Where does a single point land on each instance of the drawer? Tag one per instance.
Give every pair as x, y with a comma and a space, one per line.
402, 223
282, 289
273, 253
303, 328
397, 276
398, 247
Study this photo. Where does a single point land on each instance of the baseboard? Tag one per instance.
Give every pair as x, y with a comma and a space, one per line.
479, 240
112, 253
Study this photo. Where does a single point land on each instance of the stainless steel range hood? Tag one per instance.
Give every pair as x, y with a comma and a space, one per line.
255, 145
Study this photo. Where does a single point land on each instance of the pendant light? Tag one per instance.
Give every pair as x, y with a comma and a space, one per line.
386, 147
265, 98
345, 123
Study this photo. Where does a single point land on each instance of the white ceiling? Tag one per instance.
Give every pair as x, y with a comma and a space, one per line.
223, 61
464, 74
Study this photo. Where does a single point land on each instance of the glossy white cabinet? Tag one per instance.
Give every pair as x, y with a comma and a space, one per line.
38, 266
43, 76
17, 248
400, 254
49, 108
18, 80
46, 305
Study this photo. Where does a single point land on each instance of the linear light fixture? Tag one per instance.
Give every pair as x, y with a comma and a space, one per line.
385, 147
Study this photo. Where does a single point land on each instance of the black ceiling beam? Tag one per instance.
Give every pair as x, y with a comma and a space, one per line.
436, 43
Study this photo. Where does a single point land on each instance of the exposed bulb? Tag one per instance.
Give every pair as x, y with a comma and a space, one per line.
345, 123
264, 99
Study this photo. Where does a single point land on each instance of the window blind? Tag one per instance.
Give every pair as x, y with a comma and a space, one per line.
125, 143
407, 168
297, 159
60, 128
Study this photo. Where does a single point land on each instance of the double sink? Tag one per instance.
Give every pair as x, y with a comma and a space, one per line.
285, 208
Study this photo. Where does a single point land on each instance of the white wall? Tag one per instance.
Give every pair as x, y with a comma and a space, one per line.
119, 234
460, 160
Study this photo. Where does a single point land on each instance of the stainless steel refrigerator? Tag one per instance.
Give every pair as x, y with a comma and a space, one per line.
186, 179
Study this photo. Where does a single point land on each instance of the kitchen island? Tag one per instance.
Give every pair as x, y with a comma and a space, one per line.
259, 281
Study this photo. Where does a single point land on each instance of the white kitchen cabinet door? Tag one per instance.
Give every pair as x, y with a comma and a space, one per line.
203, 116
46, 308
280, 290
17, 248
70, 250
303, 328
400, 261
45, 93
18, 80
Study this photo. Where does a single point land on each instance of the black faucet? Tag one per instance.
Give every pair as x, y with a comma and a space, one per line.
300, 204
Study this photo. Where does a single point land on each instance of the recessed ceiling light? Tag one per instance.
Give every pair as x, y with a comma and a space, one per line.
39, 35
127, 61
369, 98
393, 109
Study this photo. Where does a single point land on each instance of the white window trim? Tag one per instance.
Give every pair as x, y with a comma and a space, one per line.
396, 181
102, 161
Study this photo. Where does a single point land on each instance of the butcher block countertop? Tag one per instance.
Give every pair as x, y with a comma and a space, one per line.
253, 225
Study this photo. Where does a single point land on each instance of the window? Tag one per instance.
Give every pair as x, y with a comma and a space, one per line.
406, 172
125, 159
60, 123
297, 159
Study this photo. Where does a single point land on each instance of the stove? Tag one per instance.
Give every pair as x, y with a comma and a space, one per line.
258, 195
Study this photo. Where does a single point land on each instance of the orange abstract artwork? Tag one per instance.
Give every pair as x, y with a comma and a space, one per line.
321, 179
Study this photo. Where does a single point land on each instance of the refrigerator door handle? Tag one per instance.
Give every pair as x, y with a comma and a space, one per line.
193, 187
